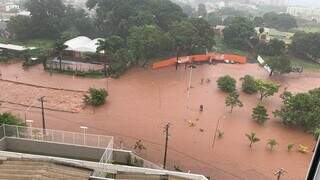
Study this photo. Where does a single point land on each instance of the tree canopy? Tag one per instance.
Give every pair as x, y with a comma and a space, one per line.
280, 21
266, 88
302, 109
238, 33
49, 19
280, 64
273, 48
306, 45
232, 101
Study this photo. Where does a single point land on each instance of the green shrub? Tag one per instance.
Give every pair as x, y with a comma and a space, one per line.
260, 114
96, 97
8, 118
249, 85
227, 84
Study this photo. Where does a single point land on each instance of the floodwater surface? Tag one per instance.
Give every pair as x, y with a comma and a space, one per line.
142, 102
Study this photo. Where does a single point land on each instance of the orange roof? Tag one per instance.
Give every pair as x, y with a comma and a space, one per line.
201, 58
235, 58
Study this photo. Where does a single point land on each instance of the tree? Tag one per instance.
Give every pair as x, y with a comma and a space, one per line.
121, 60
51, 19
59, 48
109, 45
316, 134
301, 109
266, 88
227, 84
280, 65
232, 100
280, 21
20, 27
185, 36
214, 19
46, 17
306, 45
272, 143
261, 30
147, 42
238, 33
273, 48
202, 10
260, 114
10, 119
96, 97
252, 137
249, 84
258, 22
205, 33
113, 16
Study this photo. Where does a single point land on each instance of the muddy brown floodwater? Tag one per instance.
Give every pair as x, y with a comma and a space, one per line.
142, 101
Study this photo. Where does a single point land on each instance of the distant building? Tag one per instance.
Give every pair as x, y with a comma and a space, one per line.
270, 33
218, 30
304, 12
11, 7
271, 2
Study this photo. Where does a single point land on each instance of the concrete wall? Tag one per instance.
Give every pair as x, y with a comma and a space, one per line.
3, 144
53, 149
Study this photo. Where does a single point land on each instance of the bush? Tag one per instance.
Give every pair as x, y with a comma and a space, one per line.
8, 118
227, 84
96, 97
249, 85
260, 114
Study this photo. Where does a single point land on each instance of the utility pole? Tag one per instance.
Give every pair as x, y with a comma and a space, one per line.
280, 173
43, 120
166, 146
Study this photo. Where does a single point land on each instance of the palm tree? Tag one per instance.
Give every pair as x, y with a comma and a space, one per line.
272, 143
59, 48
252, 138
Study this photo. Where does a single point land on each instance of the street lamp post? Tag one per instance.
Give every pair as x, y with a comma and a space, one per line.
84, 128
29, 124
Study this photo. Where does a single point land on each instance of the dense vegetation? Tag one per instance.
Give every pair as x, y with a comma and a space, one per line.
10, 119
96, 97
148, 29
227, 84
302, 109
306, 45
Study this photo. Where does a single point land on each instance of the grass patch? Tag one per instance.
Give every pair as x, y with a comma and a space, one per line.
40, 43
307, 29
221, 47
308, 65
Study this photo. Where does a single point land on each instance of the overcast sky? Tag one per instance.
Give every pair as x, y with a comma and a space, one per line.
311, 3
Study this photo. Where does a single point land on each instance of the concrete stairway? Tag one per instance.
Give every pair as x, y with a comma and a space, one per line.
36, 170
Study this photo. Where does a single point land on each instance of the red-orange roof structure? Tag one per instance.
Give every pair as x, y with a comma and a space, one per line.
231, 58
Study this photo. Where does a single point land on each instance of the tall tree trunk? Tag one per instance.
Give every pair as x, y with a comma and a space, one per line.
177, 62
105, 63
60, 61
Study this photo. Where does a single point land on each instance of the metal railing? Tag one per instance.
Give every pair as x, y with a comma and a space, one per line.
57, 136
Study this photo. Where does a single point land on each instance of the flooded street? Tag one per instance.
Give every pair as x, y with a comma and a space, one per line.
141, 102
